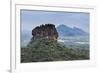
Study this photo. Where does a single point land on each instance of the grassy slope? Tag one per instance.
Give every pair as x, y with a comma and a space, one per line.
42, 50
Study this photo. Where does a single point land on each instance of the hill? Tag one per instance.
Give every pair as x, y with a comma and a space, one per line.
64, 30
41, 50
44, 46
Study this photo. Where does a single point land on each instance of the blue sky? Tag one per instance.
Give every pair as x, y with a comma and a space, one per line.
30, 19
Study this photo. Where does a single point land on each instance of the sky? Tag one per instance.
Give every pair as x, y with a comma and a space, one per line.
31, 18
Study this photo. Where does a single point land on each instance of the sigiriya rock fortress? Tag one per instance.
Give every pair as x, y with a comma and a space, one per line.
47, 31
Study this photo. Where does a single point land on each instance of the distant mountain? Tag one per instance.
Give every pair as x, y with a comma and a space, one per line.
64, 30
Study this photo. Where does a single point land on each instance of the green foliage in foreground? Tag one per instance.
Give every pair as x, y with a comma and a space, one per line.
42, 50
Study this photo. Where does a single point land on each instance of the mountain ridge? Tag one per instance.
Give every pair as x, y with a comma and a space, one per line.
64, 30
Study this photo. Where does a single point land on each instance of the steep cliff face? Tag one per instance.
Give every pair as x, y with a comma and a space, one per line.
47, 31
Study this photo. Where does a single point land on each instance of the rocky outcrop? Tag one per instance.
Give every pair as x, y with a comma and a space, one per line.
47, 31
44, 50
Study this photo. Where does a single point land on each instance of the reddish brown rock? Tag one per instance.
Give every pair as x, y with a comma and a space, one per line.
47, 31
